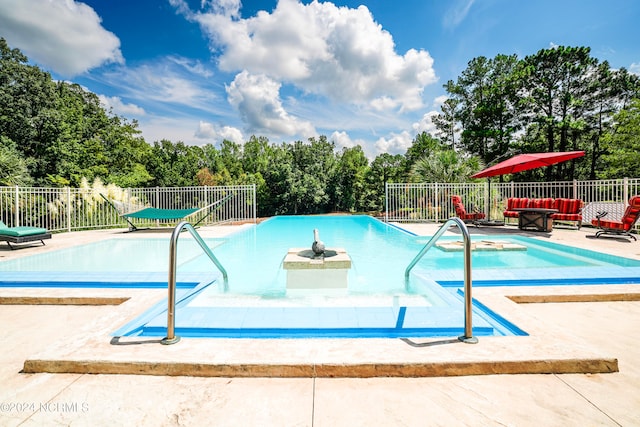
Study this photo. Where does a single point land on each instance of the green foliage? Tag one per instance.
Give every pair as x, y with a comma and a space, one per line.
482, 105
444, 166
623, 146
13, 168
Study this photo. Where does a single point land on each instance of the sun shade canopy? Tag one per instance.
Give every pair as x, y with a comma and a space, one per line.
523, 162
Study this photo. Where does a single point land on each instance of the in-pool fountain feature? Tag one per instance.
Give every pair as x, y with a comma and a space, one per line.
318, 245
318, 268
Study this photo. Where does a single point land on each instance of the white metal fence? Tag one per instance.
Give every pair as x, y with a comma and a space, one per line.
69, 209
431, 202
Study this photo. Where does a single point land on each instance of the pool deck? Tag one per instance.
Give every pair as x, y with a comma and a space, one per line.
579, 365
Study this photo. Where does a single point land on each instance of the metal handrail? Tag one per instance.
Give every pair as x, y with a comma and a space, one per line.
468, 304
171, 337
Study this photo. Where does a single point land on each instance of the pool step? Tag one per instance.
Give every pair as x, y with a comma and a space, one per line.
285, 321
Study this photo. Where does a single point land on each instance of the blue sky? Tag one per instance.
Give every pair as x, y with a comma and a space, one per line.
366, 72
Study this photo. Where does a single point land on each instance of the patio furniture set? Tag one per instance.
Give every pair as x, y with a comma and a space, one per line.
540, 214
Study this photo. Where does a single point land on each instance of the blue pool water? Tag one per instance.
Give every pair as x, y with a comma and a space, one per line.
377, 301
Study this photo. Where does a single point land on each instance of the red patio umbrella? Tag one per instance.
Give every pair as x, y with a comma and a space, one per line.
523, 162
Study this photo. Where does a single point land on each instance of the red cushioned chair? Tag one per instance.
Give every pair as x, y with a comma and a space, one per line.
622, 227
462, 213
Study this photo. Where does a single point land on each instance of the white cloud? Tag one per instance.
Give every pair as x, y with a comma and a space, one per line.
343, 140
193, 66
426, 124
257, 98
227, 8
64, 36
337, 52
157, 128
230, 8
162, 83
215, 134
395, 144
439, 100
120, 108
634, 68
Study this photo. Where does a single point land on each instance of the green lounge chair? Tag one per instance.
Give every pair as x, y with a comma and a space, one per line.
166, 214
19, 235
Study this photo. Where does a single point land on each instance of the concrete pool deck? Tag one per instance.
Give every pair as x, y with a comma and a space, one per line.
587, 351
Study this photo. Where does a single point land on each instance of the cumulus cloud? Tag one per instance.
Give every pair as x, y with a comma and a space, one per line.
64, 36
426, 124
395, 144
337, 52
120, 108
343, 140
635, 68
257, 98
214, 133
439, 100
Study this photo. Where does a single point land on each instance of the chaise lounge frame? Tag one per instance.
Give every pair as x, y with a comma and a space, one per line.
18, 240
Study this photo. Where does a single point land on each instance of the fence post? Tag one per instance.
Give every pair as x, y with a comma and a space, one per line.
436, 190
69, 209
625, 190
487, 198
16, 219
575, 189
386, 202
255, 205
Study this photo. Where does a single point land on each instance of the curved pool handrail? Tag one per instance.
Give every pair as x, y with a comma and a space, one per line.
468, 302
171, 337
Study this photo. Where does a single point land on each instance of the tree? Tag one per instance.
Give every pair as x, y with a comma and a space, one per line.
445, 166
314, 165
422, 145
255, 155
28, 111
13, 168
384, 168
611, 90
623, 146
555, 85
279, 180
174, 165
447, 123
483, 100
349, 179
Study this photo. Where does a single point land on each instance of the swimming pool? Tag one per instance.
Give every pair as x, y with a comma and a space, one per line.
376, 302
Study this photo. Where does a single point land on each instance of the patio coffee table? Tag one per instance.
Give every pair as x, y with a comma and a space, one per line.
538, 219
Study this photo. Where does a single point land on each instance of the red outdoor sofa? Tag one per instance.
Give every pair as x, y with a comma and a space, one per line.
568, 209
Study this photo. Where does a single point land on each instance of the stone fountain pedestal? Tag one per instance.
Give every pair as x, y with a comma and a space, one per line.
306, 270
